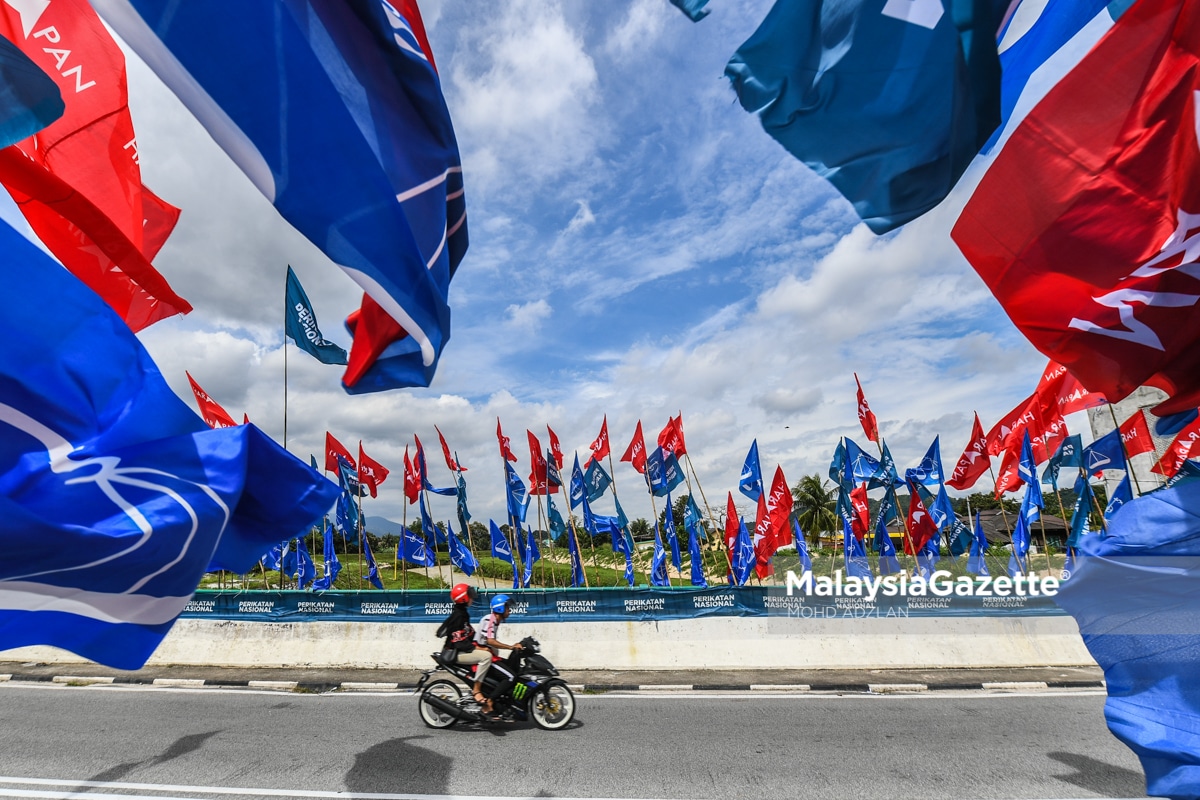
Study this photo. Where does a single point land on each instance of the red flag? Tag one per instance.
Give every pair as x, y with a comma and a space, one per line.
860, 522
1135, 435
973, 462
763, 540
212, 413
780, 502
636, 452
865, 417
1058, 386
555, 448
1180, 449
731, 524
451, 462
1009, 432
245, 418
920, 526
1114, 140
370, 472
537, 461
412, 481
1009, 479
670, 439
79, 182
505, 445
334, 449
599, 447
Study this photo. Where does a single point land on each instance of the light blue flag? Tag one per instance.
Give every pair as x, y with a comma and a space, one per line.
837, 466
1133, 595
976, 562
863, 467
532, 554
744, 558
332, 565
414, 548
357, 94
750, 481
658, 564
306, 570
672, 535
887, 101
1083, 507
118, 497
695, 11
941, 511
692, 520
501, 548
558, 528
578, 487
300, 325
697, 559
29, 99
345, 515
801, 547
461, 555
1120, 497
929, 471
372, 568
595, 480
854, 554
1027, 469
1068, 454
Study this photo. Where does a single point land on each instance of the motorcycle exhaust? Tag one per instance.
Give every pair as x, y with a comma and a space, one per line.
450, 708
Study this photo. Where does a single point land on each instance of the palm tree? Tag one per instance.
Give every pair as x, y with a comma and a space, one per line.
816, 506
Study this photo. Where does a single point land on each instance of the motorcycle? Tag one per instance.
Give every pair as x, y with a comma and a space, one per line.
533, 691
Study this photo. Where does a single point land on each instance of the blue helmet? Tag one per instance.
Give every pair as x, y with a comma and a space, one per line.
499, 603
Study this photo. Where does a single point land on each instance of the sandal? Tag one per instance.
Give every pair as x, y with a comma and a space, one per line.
485, 705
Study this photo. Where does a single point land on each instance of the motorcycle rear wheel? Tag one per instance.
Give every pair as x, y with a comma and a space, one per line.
552, 707
443, 690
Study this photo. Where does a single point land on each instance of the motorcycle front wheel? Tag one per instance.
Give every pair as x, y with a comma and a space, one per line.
552, 707
443, 690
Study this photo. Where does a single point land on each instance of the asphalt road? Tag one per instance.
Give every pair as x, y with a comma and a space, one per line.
203, 742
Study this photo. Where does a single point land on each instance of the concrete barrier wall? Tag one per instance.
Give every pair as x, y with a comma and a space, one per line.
714, 643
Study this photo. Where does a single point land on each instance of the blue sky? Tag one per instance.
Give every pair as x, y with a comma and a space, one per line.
639, 247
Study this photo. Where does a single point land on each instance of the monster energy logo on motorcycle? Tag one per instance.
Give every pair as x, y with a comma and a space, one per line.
519, 690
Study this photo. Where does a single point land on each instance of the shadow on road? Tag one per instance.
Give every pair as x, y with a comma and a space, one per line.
180, 747
1100, 777
398, 765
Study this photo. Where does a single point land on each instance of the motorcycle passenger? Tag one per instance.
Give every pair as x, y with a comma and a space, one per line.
486, 641
459, 647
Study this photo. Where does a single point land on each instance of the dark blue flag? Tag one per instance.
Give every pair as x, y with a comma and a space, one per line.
697, 559
663, 472
889, 101
578, 489
372, 567
837, 467
1068, 454
431, 532
517, 496
855, 554
672, 535
577, 576
118, 496
692, 520
1189, 470
1105, 453
1083, 507
501, 548
29, 98
801, 547
960, 538
558, 528
596, 481
929, 471
464, 515
888, 465
888, 565
863, 467
885, 514
332, 565
1174, 423
414, 548
345, 515
300, 324
1027, 469
353, 85
744, 559
532, 554
306, 570
976, 561
750, 481
1120, 496
288, 560
1133, 594
461, 555
658, 565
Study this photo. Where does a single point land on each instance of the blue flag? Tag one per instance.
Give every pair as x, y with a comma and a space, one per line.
461, 555
1188, 470
372, 568
288, 561
578, 489
1120, 496
888, 564
888, 465
532, 554
1174, 423
332, 565
577, 576
306, 570
1027, 469
744, 559
801, 547
1018, 562
464, 515
501, 548
960, 538
118, 496
885, 514
558, 528
663, 472
863, 467
553, 478
941, 511
352, 85
750, 482
658, 565
273, 558
927, 558
29, 99
431, 532
887, 101
692, 520
345, 515
672, 535
1105, 453
300, 325
696, 11
837, 466
1133, 594
929, 471
1083, 507
517, 496
414, 548
595, 480
976, 561
696, 558
854, 554
1068, 454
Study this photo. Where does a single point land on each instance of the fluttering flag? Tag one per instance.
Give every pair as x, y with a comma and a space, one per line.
210, 410
332, 565
743, 560
505, 445
431, 532
860, 512
29, 98
412, 481
532, 554
577, 575
921, 528
888, 564
1174, 423
345, 513
692, 521
1189, 470
1119, 498
929, 471
1031, 506
335, 450
1105, 453
635, 454
390, 211
501, 548
273, 558
1124, 312
300, 325
696, 558
670, 439
1027, 469
866, 417
558, 526
837, 466
1058, 387
750, 482
599, 448
1009, 477
577, 492
414, 548
348, 478
942, 511
1083, 507
370, 472
421, 467
595, 481
1068, 454
372, 568
1133, 595
663, 472
976, 561
1135, 435
118, 496
451, 462
306, 570
658, 563
461, 555
863, 468
908, 93
516, 495
694, 9
801, 547
77, 181
672, 534
973, 462
1179, 451
731, 525
555, 448
854, 554
537, 465
763, 541
554, 480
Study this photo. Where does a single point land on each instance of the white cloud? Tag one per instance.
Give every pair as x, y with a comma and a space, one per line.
583, 217
528, 317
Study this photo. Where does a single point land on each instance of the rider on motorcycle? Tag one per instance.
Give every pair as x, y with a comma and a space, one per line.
459, 647
487, 643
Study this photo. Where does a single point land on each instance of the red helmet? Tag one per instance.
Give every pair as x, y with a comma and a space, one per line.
463, 593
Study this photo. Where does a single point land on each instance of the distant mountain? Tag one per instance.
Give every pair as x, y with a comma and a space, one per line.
382, 526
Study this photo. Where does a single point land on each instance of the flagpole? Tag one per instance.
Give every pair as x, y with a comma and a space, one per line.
900, 514
400, 544
707, 508
613, 485
1003, 514
541, 564
285, 371
1124, 451
361, 526
467, 525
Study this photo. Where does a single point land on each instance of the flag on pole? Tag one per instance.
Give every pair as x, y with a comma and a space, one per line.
595, 481
451, 462
837, 466
696, 558
635, 454
335, 450
390, 210
461, 555
974, 460
599, 447
1105, 453
1084, 499
750, 482
422, 469
865, 416
555, 448
577, 576
929, 471
920, 526
1135, 435
658, 563
501, 548
372, 567
1119, 498
332, 565
537, 465
888, 564
300, 325
801, 547
414, 548
976, 561
553, 476
412, 481
670, 439
854, 554
210, 410
516, 495
370, 472
1179, 451
532, 554
306, 570
744, 561
1068, 454
505, 445
672, 534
